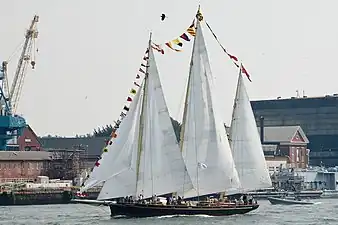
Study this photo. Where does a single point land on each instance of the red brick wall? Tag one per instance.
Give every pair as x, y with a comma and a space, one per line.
28, 141
22, 169
302, 160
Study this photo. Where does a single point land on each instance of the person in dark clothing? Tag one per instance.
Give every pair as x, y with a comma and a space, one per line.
245, 199
168, 200
179, 200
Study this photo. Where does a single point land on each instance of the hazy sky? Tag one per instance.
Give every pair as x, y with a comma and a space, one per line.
95, 49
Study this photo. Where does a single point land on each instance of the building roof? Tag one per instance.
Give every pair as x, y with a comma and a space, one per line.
283, 134
295, 102
24, 156
92, 145
280, 134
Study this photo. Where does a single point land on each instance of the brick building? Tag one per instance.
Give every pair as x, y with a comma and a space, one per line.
26, 165
29, 141
285, 141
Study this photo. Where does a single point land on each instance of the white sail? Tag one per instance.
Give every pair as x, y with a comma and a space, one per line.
122, 179
204, 143
151, 162
245, 143
162, 169
120, 157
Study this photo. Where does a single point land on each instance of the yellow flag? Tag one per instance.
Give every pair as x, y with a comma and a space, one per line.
191, 31
171, 47
178, 42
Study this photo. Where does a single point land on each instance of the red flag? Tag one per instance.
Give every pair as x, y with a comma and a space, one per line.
185, 37
129, 99
233, 57
97, 163
245, 72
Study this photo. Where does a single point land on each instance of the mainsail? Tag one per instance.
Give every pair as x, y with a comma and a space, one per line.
245, 143
161, 169
204, 143
145, 158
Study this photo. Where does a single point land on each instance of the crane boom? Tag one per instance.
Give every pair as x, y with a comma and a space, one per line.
25, 58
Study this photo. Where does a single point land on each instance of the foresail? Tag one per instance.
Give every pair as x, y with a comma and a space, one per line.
245, 143
117, 166
161, 167
205, 147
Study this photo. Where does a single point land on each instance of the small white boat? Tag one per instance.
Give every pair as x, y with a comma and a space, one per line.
286, 201
330, 194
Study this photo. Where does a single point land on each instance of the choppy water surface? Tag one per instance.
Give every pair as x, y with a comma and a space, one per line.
322, 213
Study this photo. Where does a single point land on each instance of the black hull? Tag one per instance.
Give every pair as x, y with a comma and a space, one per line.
141, 210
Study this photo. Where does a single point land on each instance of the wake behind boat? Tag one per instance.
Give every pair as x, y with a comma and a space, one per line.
287, 201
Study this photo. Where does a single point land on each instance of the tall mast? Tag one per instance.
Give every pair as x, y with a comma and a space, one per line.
199, 18
187, 91
140, 139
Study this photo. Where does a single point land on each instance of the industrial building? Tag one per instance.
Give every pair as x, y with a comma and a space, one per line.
318, 117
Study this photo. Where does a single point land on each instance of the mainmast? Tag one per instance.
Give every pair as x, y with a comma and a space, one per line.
199, 18
141, 127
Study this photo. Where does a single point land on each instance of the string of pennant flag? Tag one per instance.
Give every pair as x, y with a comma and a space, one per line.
232, 57
138, 79
177, 44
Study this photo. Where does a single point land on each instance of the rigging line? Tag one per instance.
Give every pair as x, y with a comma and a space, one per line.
181, 104
16, 50
216, 38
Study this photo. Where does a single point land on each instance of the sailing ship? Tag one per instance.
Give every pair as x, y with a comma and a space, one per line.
146, 160
245, 143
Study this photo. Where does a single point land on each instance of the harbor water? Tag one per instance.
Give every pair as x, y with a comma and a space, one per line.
324, 212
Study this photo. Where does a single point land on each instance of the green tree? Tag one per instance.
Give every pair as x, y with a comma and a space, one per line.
105, 131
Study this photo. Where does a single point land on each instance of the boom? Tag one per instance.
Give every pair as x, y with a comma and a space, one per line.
25, 58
